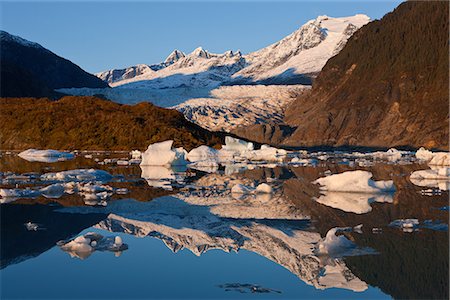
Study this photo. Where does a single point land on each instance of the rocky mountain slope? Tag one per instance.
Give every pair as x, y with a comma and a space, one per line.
97, 125
294, 59
387, 87
30, 70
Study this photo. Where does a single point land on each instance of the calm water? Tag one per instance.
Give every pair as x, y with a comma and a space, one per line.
187, 236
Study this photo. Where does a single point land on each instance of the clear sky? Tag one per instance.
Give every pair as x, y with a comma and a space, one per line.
114, 34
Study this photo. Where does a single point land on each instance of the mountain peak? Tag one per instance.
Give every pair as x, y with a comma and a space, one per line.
174, 56
200, 52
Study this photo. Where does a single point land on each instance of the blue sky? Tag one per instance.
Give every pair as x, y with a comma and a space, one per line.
113, 34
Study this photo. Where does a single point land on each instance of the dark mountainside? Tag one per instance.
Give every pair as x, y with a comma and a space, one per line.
387, 87
30, 70
91, 123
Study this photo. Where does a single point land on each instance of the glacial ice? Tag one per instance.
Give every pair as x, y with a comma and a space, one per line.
354, 182
437, 177
162, 154
433, 158
424, 154
203, 153
334, 244
45, 155
237, 145
78, 175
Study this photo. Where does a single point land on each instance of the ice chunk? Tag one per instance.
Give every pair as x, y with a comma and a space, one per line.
53, 191
12, 194
354, 182
203, 153
83, 246
78, 175
266, 153
424, 154
45, 155
162, 154
263, 188
237, 145
136, 154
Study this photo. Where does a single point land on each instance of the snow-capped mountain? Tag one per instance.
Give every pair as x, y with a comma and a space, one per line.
291, 60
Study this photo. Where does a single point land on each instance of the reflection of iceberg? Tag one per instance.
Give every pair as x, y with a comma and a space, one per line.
161, 176
437, 177
354, 182
193, 226
358, 203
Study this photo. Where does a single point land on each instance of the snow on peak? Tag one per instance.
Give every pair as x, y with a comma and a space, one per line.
5, 36
200, 52
299, 55
174, 57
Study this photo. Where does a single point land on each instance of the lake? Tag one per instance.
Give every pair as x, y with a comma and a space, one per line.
173, 233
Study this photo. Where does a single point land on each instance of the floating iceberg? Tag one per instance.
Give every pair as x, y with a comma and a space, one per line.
237, 145
136, 154
433, 158
78, 175
354, 182
53, 191
266, 153
203, 153
424, 154
9, 195
162, 154
45, 155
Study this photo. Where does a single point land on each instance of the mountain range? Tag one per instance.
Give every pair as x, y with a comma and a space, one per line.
294, 59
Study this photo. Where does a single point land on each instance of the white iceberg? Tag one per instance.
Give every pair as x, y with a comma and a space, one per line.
162, 154
424, 154
78, 175
237, 145
53, 191
136, 154
354, 182
203, 153
266, 153
45, 155
9, 195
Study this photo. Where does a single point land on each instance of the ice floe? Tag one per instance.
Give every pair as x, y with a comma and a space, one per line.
45, 155
78, 175
433, 158
162, 154
237, 145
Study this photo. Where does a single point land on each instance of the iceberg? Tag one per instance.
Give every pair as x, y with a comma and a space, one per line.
437, 177
162, 154
78, 175
334, 244
45, 155
424, 154
266, 153
354, 182
237, 145
203, 153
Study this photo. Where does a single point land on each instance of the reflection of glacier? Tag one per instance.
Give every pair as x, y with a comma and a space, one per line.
203, 226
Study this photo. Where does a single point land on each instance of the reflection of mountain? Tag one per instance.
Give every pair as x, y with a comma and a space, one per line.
408, 265
19, 244
187, 225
